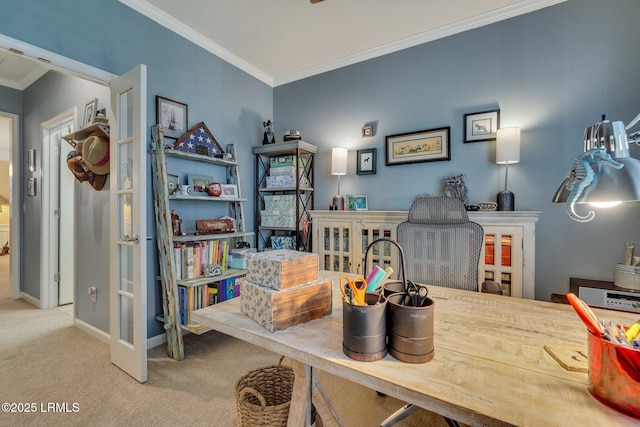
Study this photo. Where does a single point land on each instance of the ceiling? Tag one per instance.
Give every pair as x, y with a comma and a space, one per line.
281, 41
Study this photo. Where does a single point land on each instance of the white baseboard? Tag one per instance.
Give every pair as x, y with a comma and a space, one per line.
88, 329
106, 338
156, 341
31, 300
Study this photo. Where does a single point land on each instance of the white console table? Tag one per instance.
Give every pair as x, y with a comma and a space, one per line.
340, 238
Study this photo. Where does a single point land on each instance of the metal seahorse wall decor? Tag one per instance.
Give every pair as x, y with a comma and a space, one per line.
583, 178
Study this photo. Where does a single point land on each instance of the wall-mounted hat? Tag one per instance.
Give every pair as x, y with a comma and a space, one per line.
95, 152
79, 169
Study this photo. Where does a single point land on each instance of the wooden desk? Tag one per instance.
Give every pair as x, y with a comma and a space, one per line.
490, 367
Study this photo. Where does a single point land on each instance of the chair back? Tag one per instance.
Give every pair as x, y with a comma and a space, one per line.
441, 246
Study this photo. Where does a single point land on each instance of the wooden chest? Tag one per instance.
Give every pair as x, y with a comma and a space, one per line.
282, 269
277, 310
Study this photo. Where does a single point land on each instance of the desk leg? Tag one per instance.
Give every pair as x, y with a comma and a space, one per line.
300, 409
324, 408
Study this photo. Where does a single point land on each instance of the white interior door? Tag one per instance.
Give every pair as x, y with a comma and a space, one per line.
57, 267
128, 255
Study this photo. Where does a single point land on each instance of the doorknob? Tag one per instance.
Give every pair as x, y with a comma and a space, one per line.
129, 239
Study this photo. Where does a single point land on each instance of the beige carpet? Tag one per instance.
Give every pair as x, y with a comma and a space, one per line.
45, 361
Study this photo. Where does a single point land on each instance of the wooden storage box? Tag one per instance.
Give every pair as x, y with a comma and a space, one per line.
282, 269
277, 310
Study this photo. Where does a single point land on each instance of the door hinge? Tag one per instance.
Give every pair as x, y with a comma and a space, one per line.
57, 213
56, 149
56, 276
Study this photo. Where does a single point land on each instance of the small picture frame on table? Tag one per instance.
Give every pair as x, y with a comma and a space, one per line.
481, 126
229, 191
367, 160
89, 112
357, 202
172, 183
172, 116
199, 183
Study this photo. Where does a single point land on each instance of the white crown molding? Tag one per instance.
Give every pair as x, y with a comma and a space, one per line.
497, 15
162, 18
195, 37
53, 61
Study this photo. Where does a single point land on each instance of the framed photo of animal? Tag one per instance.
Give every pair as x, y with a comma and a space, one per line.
481, 126
430, 145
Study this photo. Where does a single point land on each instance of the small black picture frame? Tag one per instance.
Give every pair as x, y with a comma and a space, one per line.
173, 116
366, 161
481, 126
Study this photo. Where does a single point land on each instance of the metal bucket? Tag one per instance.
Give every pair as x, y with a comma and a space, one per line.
390, 287
410, 329
364, 330
614, 375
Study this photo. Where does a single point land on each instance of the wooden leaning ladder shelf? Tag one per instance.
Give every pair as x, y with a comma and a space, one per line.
165, 238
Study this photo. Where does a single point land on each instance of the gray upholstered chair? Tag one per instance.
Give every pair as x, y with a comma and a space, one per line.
441, 247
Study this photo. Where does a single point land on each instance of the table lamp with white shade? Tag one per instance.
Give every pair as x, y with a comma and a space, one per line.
507, 152
338, 167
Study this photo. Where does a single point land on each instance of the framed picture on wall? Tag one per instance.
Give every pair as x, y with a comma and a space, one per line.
430, 145
366, 161
481, 126
172, 115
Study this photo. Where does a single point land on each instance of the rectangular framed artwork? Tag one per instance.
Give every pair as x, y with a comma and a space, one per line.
430, 145
357, 202
89, 112
367, 160
199, 183
172, 115
229, 191
481, 126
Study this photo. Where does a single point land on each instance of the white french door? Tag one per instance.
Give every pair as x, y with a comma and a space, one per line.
128, 226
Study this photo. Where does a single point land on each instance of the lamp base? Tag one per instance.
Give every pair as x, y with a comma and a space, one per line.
506, 201
338, 203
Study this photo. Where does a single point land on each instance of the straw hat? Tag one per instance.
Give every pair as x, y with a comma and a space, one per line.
95, 152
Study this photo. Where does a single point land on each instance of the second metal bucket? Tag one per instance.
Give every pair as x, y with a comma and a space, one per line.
410, 329
364, 334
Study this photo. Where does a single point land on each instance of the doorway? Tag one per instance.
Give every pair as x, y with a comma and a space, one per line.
57, 272
10, 218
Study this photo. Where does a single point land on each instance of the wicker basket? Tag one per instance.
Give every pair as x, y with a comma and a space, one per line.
263, 396
627, 276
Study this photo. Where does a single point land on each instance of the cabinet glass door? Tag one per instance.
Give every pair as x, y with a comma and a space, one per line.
335, 238
501, 259
382, 254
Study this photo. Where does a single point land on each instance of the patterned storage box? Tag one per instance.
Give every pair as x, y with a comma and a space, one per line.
281, 161
281, 202
278, 219
286, 180
283, 242
285, 170
277, 310
282, 269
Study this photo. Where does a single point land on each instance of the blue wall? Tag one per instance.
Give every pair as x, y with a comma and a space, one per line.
551, 72
112, 37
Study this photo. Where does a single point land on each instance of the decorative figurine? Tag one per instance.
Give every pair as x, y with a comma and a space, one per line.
268, 137
176, 223
454, 187
214, 189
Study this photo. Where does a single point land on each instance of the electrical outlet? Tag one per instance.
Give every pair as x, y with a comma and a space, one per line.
93, 293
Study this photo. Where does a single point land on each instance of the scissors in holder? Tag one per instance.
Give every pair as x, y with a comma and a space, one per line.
417, 294
354, 290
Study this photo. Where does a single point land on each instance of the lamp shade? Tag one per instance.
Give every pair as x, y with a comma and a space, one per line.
338, 161
508, 145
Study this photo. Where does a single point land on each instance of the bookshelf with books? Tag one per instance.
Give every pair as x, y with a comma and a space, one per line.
195, 267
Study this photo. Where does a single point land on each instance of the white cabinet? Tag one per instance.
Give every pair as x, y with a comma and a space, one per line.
340, 238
